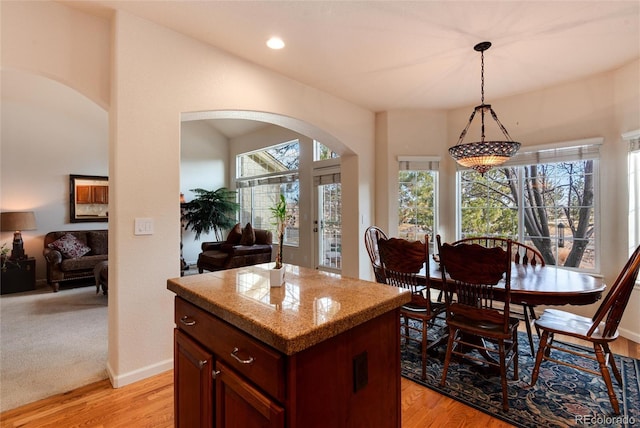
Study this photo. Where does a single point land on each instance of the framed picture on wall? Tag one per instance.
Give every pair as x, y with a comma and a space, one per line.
88, 198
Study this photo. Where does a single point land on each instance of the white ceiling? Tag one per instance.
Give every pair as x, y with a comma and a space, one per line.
386, 55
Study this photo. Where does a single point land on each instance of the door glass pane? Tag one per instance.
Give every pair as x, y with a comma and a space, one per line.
330, 223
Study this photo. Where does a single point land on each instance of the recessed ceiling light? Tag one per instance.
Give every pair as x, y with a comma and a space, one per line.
275, 43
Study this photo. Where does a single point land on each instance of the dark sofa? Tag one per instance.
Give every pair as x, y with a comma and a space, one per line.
243, 247
73, 254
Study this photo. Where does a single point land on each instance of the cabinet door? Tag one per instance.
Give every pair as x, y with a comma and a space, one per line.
240, 405
84, 195
100, 194
193, 383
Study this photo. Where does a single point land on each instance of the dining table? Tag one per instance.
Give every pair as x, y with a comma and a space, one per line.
534, 285
541, 285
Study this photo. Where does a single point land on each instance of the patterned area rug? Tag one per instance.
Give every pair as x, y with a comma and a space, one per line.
562, 397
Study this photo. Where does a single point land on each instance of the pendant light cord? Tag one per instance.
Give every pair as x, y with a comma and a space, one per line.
482, 95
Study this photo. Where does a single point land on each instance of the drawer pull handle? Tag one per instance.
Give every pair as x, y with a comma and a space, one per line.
186, 321
215, 374
241, 361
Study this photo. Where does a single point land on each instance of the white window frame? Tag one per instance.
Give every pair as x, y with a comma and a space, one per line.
632, 139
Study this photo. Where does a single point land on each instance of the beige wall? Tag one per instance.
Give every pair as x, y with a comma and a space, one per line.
204, 152
60, 43
158, 75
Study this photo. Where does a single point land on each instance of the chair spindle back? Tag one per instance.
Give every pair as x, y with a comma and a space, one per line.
470, 272
371, 237
612, 307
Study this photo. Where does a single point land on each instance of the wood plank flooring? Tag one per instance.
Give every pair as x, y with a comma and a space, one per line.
149, 403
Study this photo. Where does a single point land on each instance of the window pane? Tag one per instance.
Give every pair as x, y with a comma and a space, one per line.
331, 225
275, 169
256, 203
281, 158
322, 152
556, 215
488, 206
417, 204
291, 192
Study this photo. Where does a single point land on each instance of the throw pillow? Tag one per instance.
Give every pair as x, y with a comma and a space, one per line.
70, 246
234, 236
248, 235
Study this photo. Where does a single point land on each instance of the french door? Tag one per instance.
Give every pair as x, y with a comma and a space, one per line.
328, 227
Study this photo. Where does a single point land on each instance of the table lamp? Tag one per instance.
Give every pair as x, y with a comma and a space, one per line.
17, 222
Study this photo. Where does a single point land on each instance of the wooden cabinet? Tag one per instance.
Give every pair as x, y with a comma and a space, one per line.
92, 194
18, 275
349, 380
193, 383
100, 194
83, 195
240, 404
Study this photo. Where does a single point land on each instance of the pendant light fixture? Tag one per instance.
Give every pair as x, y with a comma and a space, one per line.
483, 155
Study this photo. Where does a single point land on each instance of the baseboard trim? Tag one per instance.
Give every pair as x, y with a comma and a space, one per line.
628, 334
121, 380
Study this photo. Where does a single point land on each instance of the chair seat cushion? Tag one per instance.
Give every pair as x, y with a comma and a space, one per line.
81, 263
482, 328
214, 258
436, 308
562, 322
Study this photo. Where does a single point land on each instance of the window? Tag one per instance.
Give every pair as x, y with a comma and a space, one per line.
261, 178
322, 152
544, 198
633, 139
417, 198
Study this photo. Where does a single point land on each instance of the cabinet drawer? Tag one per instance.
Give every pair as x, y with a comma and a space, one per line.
263, 366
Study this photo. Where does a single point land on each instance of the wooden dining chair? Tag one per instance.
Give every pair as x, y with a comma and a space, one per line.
371, 237
520, 254
600, 330
402, 261
470, 272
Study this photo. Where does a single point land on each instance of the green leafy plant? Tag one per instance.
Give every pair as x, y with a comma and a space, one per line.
279, 212
211, 210
6, 261
4, 250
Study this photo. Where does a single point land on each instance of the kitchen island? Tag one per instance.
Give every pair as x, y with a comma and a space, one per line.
320, 351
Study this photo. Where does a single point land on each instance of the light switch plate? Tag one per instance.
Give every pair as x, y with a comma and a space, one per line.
143, 226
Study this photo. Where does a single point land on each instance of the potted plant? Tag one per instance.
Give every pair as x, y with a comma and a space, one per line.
211, 210
279, 212
4, 250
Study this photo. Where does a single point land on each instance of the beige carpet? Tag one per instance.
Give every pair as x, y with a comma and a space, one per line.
50, 343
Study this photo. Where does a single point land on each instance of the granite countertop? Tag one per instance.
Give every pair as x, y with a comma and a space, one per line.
310, 307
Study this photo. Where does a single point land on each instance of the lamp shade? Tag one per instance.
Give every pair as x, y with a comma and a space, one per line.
17, 221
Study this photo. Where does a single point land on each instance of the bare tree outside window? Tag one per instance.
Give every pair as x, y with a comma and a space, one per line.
557, 213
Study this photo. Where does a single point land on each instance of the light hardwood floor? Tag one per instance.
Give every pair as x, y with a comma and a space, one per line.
149, 403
